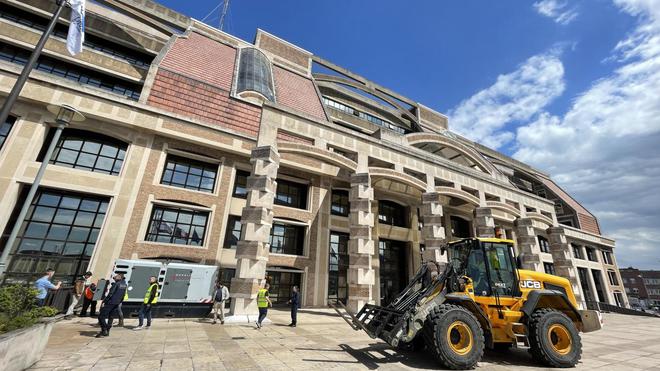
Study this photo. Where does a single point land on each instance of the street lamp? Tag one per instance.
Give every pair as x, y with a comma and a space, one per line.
64, 115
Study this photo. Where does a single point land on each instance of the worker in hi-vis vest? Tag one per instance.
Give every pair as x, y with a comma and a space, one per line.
263, 302
150, 298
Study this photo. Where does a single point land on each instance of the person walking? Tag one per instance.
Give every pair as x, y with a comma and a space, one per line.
110, 305
150, 298
295, 304
88, 300
220, 294
43, 284
263, 302
78, 290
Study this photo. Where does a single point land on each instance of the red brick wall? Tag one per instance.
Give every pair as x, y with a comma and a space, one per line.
182, 95
297, 92
202, 59
285, 136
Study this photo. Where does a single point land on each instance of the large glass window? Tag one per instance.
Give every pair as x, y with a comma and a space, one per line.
177, 225
254, 73
281, 286
339, 204
393, 272
543, 244
233, 235
607, 257
69, 71
60, 231
291, 194
5, 128
287, 239
338, 267
89, 151
240, 184
190, 174
392, 213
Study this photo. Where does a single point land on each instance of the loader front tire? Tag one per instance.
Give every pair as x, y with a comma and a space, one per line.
455, 337
553, 339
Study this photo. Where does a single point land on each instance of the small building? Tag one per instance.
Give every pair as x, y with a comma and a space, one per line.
642, 287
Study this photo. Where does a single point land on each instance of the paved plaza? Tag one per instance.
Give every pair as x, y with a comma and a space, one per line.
321, 341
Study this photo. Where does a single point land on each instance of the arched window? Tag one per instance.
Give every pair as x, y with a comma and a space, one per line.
80, 149
254, 73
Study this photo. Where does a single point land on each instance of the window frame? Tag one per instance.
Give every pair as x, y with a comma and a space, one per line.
229, 233
341, 194
86, 136
189, 162
341, 267
391, 219
544, 244
591, 254
178, 207
577, 251
289, 184
551, 267
240, 173
300, 237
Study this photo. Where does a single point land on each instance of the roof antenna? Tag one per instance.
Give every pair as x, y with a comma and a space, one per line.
225, 8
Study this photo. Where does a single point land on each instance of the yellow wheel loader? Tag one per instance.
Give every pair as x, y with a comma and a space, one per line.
481, 300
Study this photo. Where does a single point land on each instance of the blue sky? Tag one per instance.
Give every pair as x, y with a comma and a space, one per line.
571, 87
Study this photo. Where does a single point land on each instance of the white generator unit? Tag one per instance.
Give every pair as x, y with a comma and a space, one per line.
184, 289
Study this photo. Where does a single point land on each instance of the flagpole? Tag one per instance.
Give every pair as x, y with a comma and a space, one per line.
4, 113
18, 86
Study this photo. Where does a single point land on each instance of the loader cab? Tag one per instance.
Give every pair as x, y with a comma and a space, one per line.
490, 265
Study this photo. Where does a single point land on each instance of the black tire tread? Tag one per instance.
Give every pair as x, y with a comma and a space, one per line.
538, 352
431, 342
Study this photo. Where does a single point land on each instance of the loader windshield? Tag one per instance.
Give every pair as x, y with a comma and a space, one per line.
500, 268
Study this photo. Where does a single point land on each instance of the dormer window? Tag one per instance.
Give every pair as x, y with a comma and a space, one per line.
254, 75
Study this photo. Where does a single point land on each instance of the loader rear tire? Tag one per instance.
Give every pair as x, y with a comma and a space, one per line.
553, 338
454, 336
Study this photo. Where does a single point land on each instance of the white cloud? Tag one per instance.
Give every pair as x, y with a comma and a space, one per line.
515, 96
557, 10
606, 149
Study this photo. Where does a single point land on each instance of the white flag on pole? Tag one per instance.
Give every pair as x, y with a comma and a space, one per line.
76, 36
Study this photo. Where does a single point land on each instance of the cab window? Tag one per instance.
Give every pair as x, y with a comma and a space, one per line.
500, 269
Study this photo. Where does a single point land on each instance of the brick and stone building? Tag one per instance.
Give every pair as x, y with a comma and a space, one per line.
642, 287
261, 158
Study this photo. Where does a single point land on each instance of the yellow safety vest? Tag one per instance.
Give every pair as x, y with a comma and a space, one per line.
262, 302
154, 286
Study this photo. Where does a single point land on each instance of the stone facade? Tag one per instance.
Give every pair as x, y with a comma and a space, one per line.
321, 187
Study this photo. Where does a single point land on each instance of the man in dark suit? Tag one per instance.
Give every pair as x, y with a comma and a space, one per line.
110, 305
295, 304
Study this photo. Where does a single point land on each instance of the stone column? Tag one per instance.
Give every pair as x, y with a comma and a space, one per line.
257, 218
433, 232
528, 250
484, 222
561, 257
361, 276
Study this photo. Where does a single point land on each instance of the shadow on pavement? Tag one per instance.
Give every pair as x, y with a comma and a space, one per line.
377, 355
90, 334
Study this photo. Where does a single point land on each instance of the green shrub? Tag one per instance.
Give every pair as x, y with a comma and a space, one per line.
18, 308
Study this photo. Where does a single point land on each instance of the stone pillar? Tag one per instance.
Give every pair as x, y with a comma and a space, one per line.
361, 276
561, 257
433, 232
257, 218
528, 250
484, 222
